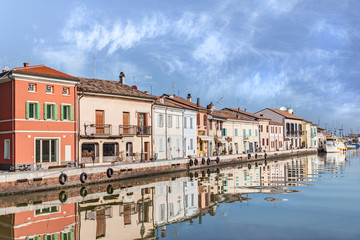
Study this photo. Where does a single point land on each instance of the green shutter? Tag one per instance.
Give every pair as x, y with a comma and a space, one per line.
71, 114
55, 236
55, 112
27, 105
38, 111
62, 112
71, 236
45, 111
225, 131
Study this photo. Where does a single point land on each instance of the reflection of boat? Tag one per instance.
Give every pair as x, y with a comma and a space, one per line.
354, 142
333, 145
335, 157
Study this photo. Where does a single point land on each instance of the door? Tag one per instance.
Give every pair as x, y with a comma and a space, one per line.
126, 122
146, 151
211, 149
129, 151
99, 121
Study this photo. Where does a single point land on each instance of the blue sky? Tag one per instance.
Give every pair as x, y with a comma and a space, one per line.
248, 54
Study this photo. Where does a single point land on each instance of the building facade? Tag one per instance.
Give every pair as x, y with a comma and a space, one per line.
38, 122
115, 122
292, 125
276, 136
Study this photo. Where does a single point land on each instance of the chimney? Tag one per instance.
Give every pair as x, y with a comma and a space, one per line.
146, 92
122, 78
189, 97
134, 87
198, 102
26, 64
4, 70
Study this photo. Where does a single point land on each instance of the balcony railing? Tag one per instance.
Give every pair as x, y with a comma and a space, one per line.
134, 130
97, 129
295, 133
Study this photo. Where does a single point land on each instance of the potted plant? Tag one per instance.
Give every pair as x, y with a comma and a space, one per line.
231, 152
224, 151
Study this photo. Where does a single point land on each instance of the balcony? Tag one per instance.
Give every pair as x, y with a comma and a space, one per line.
294, 133
131, 130
97, 129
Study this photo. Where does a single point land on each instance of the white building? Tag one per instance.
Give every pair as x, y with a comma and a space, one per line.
314, 136
167, 130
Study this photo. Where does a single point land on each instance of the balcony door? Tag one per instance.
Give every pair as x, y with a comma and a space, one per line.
99, 118
126, 122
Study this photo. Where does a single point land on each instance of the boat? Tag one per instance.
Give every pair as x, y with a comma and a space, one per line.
333, 145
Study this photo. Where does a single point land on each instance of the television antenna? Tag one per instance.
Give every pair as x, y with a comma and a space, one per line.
149, 82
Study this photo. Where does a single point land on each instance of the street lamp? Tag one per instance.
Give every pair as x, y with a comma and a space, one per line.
141, 134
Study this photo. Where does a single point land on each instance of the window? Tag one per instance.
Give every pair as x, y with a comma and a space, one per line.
256, 132
90, 152
7, 149
198, 119
272, 144
66, 91
46, 150
275, 129
160, 120
177, 121
191, 123
185, 125
169, 121
49, 89
32, 110
267, 142
244, 133
263, 141
261, 128
32, 87
224, 131
110, 149
250, 132
66, 112
236, 132
191, 144
280, 130
210, 124
50, 111
267, 128
205, 120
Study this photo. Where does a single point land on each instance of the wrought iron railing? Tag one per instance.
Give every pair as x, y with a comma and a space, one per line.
134, 130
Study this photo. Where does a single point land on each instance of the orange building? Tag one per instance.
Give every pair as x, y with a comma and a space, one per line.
37, 117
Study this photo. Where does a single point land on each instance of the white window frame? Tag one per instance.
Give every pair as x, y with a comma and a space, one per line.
191, 123
185, 122
52, 112
160, 120
67, 112
177, 121
52, 89
67, 92
58, 150
191, 144
34, 85
6, 148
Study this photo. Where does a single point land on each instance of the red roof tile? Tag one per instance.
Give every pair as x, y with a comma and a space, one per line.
285, 114
245, 113
42, 70
232, 115
111, 87
185, 102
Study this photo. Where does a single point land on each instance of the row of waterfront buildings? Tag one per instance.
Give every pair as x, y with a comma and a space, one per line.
50, 118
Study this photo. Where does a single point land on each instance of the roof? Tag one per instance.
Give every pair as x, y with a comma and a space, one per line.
111, 87
232, 115
246, 113
285, 114
170, 103
187, 103
43, 71
275, 123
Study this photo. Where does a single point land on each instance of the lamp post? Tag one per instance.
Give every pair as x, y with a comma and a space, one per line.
141, 134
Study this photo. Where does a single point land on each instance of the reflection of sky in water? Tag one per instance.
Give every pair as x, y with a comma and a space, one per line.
328, 208
311, 197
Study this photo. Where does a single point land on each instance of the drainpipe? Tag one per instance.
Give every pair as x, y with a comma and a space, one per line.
78, 127
75, 119
152, 130
183, 134
13, 120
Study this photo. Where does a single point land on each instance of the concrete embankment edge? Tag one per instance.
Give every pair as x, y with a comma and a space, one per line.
26, 182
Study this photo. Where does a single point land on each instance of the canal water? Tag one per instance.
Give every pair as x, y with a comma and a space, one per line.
308, 197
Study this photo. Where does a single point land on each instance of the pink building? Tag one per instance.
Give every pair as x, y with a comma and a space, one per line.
37, 117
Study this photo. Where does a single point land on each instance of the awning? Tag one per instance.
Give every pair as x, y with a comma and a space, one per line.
205, 138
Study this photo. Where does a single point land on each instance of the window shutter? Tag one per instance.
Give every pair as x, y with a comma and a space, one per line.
62, 112
55, 112
55, 236
45, 111
71, 113
38, 111
225, 131
27, 104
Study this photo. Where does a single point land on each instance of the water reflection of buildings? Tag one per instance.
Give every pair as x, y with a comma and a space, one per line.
45, 223
143, 212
